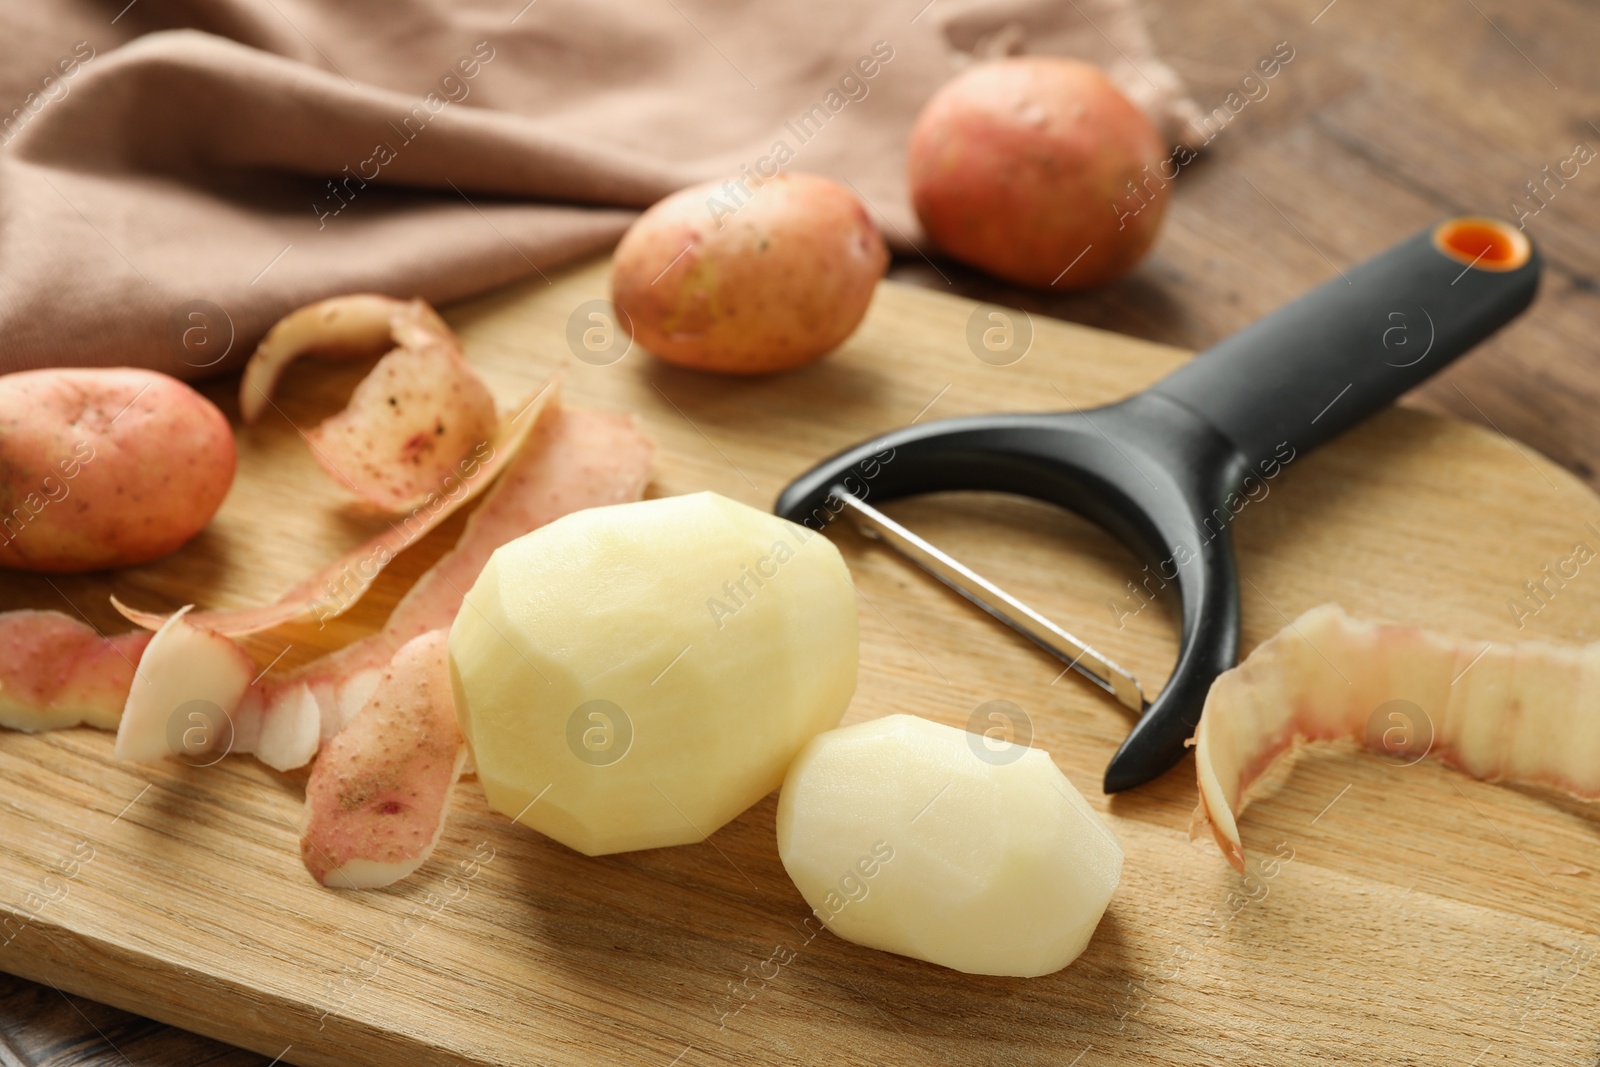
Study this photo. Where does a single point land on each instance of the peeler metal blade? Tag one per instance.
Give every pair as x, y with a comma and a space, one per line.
1076, 654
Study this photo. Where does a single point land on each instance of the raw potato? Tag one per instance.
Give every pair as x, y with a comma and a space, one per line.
902, 837
635, 676
1022, 166
748, 283
105, 468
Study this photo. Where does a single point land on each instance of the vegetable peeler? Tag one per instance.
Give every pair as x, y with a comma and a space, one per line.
1160, 469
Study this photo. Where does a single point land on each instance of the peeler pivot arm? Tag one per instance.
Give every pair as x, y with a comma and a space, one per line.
1147, 470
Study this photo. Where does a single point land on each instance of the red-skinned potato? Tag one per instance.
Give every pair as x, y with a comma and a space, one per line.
105, 467
1022, 166
748, 279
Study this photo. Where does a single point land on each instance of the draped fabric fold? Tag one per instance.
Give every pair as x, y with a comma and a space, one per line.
239, 158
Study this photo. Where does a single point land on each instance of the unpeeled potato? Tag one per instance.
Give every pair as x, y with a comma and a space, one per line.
748, 279
105, 467
1038, 170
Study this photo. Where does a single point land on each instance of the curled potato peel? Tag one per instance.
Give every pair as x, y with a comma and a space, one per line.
409, 422
377, 798
339, 584
394, 441
1500, 712
358, 326
186, 670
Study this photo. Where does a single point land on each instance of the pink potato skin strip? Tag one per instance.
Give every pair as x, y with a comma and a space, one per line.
356, 326
411, 421
409, 425
182, 663
57, 672
575, 459
336, 587
1527, 712
377, 796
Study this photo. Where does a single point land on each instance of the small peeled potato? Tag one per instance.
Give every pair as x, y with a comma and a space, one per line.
637, 675
105, 467
913, 837
751, 278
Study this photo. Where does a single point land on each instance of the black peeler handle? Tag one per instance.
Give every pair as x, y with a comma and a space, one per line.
1330, 359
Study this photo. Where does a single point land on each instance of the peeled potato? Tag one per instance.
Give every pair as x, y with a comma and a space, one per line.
913, 837
635, 676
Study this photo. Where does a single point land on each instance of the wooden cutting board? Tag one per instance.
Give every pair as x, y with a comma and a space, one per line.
1414, 915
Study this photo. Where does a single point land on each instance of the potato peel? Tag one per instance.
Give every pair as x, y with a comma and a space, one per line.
411, 420
57, 672
335, 588
1527, 712
186, 670
574, 459
378, 795
289, 731
408, 426
358, 326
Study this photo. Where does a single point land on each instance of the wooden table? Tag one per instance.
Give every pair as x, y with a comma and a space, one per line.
1389, 116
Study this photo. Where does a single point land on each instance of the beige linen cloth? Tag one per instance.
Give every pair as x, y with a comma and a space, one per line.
167, 164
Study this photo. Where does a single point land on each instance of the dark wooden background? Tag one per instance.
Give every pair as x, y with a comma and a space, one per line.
1392, 114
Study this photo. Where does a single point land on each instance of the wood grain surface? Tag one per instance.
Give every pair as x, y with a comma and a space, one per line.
1421, 918
1390, 116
